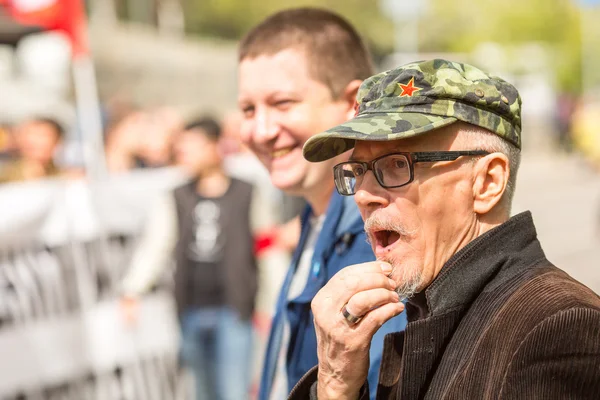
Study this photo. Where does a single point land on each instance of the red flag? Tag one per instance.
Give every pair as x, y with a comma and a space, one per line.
66, 16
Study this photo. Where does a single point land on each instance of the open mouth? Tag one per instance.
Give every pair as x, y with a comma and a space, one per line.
282, 152
384, 240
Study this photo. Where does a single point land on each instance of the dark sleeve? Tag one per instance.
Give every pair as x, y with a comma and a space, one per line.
559, 359
306, 388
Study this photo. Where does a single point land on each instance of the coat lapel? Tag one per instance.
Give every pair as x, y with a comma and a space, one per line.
391, 362
410, 358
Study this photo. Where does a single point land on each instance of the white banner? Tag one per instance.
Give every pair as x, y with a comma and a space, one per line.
64, 248
50, 352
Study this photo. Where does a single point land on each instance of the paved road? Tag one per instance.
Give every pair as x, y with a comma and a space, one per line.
564, 197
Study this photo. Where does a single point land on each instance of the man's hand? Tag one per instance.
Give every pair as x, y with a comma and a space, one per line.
343, 347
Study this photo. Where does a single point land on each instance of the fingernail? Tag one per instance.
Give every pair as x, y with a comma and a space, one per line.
386, 268
392, 283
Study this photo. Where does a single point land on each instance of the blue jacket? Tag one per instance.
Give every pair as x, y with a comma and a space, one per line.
342, 242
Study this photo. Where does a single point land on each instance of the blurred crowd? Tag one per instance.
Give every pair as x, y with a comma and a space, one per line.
41, 147
207, 153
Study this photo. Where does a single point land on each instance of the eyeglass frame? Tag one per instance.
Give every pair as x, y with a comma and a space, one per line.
412, 158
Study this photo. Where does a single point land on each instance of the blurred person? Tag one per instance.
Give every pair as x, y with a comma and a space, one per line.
586, 138
122, 142
116, 108
565, 107
154, 147
7, 142
585, 123
143, 139
36, 142
436, 151
205, 226
6, 138
299, 71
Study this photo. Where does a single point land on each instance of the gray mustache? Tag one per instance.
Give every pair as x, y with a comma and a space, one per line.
381, 222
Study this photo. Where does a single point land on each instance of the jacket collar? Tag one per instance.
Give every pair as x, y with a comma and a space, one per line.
464, 275
342, 221
342, 216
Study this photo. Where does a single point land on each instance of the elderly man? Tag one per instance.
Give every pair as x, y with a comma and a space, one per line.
436, 152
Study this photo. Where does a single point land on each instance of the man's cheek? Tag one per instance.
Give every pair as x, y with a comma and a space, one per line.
246, 133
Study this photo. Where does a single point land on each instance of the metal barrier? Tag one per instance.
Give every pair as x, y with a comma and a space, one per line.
64, 247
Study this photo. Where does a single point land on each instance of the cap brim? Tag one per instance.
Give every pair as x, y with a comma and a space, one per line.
371, 126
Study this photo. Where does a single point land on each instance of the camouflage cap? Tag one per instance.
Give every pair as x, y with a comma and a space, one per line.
419, 97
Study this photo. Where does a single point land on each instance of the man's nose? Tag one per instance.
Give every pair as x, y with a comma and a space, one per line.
265, 128
370, 195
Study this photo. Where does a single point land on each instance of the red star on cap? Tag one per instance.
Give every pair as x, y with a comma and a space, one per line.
409, 89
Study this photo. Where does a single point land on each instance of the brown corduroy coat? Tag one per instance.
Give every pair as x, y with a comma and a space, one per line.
499, 322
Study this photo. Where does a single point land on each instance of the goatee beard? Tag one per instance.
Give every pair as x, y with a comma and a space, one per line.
409, 279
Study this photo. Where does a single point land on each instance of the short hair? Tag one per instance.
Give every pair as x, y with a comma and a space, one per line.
56, 126
481, 139
335, 52
209, 126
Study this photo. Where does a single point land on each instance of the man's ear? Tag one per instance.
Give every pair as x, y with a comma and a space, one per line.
349, 97
490, 181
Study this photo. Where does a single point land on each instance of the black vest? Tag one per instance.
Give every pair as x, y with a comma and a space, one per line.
236, 265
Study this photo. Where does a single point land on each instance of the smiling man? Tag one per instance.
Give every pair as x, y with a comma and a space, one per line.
433, 170
299, 73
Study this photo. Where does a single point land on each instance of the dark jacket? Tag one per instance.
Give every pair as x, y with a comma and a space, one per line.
239, 270
342, 242
499, 322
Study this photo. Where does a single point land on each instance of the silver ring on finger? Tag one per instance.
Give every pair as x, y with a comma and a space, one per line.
350, 319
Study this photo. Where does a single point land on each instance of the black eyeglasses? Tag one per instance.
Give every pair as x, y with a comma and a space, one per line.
391, 170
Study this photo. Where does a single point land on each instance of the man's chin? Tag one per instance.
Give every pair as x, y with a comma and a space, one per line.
407, 291
409, 282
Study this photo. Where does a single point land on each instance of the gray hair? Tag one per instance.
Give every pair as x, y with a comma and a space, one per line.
482, 139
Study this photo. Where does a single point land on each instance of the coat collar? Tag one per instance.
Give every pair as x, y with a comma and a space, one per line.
465, 274
342, 223
342, 216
